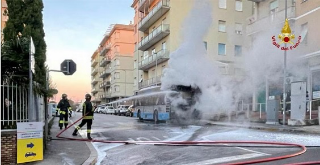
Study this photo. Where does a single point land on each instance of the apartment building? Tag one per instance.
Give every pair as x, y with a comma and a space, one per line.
157, 25
115, 61
96, 81
4, 19
302, 16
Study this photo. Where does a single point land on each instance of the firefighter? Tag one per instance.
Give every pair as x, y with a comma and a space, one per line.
63, 107
87, 114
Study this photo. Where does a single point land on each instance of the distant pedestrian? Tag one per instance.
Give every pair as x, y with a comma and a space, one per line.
63, 108
87, 113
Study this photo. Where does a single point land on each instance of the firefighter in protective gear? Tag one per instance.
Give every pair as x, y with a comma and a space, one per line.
63, 108
87, 114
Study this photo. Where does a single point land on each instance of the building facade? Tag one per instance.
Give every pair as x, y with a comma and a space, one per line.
114, 68
302, 16
157, 25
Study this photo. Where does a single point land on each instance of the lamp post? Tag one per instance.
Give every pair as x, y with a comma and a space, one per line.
284, 75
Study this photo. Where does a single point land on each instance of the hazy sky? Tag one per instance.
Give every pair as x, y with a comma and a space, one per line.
74, 29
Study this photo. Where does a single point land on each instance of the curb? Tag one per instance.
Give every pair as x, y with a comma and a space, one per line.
92, 160
267, 129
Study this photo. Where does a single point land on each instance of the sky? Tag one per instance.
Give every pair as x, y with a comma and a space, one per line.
73, 30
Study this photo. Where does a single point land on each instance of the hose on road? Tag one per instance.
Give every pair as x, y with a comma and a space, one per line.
186, 143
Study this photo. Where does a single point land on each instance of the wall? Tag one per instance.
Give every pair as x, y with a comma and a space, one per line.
8, 147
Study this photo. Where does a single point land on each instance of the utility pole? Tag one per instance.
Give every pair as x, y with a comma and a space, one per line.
284, 73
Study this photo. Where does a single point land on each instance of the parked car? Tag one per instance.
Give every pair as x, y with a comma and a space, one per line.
122, 110
101, 109
110, 110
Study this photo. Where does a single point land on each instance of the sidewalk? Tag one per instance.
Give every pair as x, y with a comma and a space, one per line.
63, 152
314, 129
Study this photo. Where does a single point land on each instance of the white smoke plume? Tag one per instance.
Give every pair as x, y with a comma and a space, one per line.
190, 64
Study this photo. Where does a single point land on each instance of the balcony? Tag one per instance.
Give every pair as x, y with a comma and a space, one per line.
150, 82
105, 49
105, 61
144, 4
159, 10
155, 36
94, 91
105, 73
94, 72
105, 84
94, 62
94, 81
255, 25
153, 60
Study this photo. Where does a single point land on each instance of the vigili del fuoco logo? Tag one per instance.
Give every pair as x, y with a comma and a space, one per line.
286, 37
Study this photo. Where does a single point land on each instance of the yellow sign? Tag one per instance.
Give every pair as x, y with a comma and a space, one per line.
29, 150
30, 142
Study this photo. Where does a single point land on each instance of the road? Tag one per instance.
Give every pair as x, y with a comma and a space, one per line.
120, 128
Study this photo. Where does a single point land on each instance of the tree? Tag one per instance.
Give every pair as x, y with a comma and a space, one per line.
24, 21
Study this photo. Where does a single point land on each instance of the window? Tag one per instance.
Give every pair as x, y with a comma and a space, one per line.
238, 5
221, 49
163, 67
145, 54
238, 28
135, 82
164, 45
116, 75
135, 64
205, 44
222, 26
153, 51
223, 4
117, 88
304, 33
117, 61
237, 50
273, 9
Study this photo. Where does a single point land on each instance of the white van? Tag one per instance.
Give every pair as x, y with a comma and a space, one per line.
122, 109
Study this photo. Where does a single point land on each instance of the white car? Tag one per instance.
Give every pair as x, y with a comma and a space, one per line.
110, 110
122, 110
101, 109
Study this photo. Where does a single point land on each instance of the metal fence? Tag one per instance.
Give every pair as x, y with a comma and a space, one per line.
14, 105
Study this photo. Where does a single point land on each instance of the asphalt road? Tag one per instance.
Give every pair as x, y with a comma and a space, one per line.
121, 128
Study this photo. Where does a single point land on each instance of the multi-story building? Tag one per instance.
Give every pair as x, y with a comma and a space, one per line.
96, 81
4, 18
116, 64
302, 16
157, 25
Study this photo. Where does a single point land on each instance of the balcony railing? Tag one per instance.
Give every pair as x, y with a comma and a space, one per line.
144, 5
94, 91
153, 60
255, 25
94, 81
94, 72
105, 73
105, 61
156, 35
159, 10
94, 62
105, 84
105, 49
150, 82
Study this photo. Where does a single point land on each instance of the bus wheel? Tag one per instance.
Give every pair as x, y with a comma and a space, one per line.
155, 116
139, 114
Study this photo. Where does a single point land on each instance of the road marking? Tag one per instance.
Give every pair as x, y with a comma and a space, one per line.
156, 138
227, 159
146, 139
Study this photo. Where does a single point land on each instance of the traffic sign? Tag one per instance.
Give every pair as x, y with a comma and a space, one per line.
30, 142
68, 67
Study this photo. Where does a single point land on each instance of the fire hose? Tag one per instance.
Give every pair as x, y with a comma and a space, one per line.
188, 143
